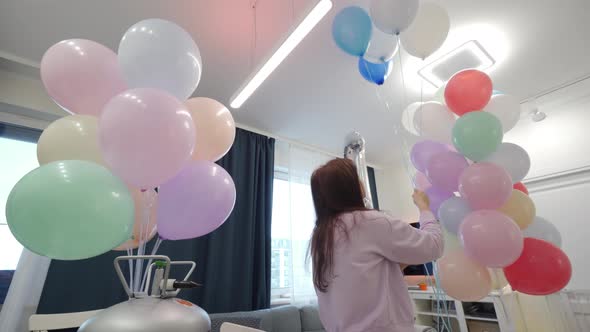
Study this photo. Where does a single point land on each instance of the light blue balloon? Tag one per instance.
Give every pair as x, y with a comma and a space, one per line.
374, 72
452, 212
352, 29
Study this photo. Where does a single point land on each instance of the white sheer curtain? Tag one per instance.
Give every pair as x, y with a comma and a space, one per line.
24, 292
294, 217
28, 280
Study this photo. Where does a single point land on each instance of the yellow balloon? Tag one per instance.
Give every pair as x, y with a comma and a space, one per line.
74, 137
498, 279
520, 208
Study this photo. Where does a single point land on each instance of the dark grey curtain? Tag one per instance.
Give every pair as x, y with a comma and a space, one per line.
233, 263
373, 187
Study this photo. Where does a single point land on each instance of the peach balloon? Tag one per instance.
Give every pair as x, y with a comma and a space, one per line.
215, 127
462, 278
140, 199
520, 208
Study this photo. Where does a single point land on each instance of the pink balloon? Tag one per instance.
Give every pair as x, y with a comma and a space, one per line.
146, 136
445, 169
195, 202
81, 75
485, 186
491, 238
421, 182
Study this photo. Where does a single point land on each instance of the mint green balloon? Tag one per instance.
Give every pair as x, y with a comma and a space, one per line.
477, 135
70, 210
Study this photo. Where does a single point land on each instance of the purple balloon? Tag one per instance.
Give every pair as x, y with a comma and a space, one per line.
423, 151
444, 170
437, 196
195, 202
491, 238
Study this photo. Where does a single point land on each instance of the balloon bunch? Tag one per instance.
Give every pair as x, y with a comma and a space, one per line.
475, 190
131, 130
421, 28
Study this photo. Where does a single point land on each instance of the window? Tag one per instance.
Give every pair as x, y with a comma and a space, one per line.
293, 220
18, 158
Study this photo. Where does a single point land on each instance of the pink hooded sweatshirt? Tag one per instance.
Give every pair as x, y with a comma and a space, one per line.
367, 292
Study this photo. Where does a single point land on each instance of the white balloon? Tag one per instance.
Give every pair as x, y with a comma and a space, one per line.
544, 230
506, 108
428, 31
382, 47
434, 121
159, 54
408, 117
513, 158
393, 16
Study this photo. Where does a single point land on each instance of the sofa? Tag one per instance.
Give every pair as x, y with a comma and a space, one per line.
280, 319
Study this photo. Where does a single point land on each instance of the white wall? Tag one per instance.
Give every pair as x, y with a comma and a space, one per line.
563, 200
394, 190
562, 141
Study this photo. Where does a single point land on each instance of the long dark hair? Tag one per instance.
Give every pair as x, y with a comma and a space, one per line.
336, 188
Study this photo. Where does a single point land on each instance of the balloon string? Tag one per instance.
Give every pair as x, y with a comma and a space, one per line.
441, 299
145, 273
143, 229
254, 34
130, 253
404, 149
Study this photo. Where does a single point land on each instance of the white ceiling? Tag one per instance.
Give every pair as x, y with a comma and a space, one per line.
317, 96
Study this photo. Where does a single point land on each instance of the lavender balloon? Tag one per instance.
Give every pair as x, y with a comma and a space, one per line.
196, 202
452, 212
423, 151
444, 170
437, 196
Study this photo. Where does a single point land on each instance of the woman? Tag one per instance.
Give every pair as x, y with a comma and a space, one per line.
358, 254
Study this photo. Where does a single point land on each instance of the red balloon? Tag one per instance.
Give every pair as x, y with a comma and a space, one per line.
520, 186
541, 269
467, 91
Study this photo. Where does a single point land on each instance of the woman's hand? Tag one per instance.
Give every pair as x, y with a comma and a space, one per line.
421, 200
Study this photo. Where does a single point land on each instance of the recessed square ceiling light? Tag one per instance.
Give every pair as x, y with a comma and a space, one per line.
470, 55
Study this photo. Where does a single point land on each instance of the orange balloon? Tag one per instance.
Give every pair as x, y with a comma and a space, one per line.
215, 128
463, 278
520, 208
141, 198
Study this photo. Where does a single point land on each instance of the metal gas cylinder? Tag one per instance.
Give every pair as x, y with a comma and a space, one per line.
157, 312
